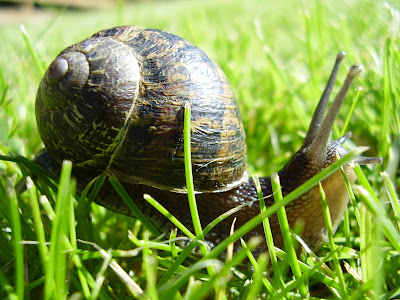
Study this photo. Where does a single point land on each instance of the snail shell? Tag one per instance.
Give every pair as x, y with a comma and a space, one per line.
114, 103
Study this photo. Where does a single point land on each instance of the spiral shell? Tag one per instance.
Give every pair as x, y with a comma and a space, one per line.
114, 104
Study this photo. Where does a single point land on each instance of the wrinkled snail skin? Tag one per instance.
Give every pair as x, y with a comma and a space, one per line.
113, 104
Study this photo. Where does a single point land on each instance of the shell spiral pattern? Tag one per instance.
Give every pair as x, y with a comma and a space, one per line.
114, 103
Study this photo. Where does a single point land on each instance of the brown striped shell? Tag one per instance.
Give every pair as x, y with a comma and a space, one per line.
114, 104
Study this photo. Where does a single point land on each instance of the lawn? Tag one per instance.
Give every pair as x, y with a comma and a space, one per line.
277, 57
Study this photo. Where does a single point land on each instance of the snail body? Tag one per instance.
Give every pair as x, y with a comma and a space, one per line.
113, 104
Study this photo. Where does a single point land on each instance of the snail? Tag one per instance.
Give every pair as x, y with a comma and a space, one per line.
113, 104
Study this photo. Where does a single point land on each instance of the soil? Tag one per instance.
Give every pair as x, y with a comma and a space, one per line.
18, 15
13, 11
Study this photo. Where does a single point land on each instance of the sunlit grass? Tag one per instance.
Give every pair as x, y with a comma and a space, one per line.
277, 56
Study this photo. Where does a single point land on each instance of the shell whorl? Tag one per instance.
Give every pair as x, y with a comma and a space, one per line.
64, 80
77, 100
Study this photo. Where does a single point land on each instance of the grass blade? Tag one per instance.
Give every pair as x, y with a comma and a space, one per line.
150, 267
258, 268
132, 206
287, 238
39, 228
394, 199
372, 202
332, 246
169, 216
7, 191
268, 237
189, 183
55, 284
32, 51
189, 176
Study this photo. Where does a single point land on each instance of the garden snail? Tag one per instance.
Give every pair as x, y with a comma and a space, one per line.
114, 104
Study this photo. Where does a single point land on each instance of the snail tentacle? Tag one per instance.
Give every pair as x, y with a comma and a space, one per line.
317, 149
323, 102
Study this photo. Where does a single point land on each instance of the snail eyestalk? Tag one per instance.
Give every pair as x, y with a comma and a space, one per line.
323, 102
319, 145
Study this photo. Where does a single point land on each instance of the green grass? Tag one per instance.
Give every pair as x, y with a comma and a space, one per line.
277, 57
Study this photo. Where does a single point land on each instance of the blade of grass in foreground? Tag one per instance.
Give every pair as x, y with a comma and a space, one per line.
258, 277
394, 199
372, 202
83, 216
85, 277
100, 278
190, 186
369, 254
257, 267
132, 206
37, 222
269, 238
189, 176
55, 284
287, 238
192, 288
7, 192
172, 237
350, 112
346, 222
150, 267
387, 107
332, 246
169, 216
167, 290
130, 284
